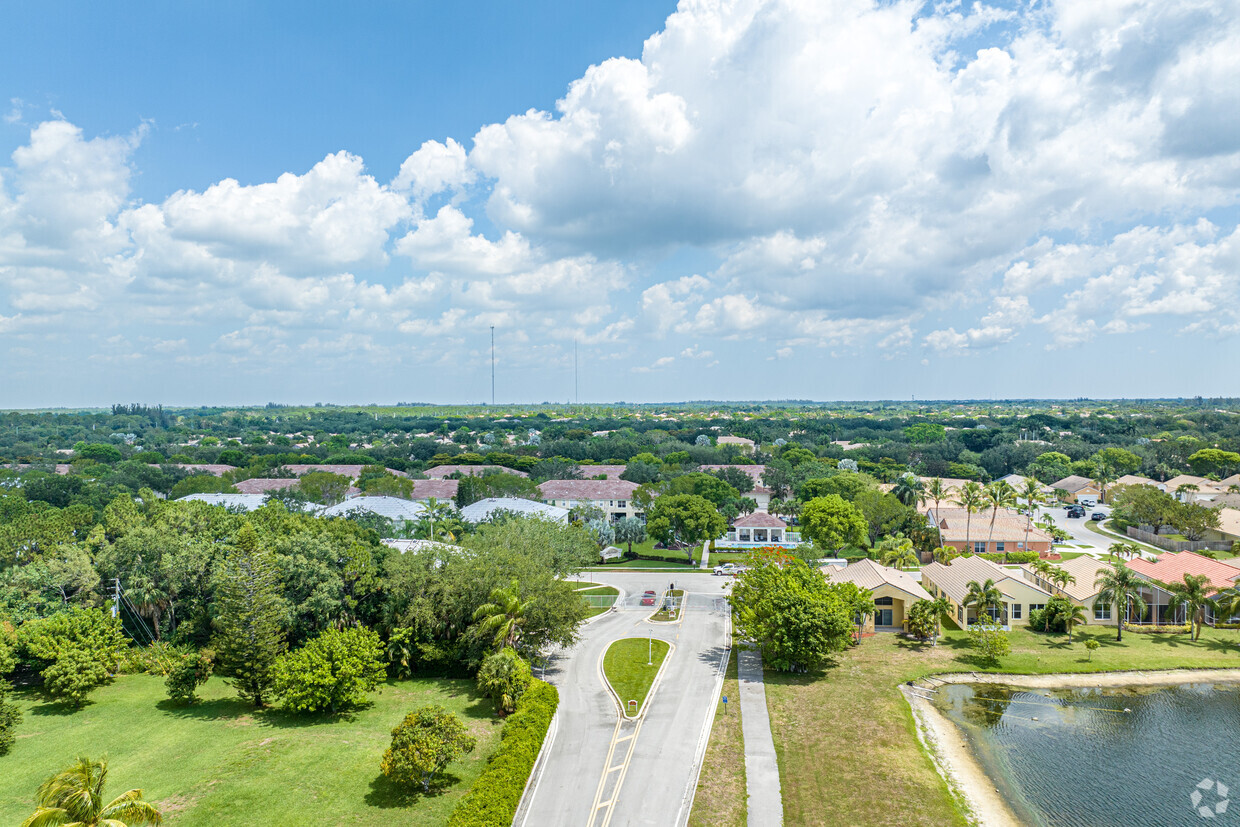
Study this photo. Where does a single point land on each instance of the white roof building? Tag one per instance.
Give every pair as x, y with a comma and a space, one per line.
242, 502
393, 508
484, 509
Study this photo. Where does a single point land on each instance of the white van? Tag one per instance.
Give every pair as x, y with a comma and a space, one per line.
1088, 502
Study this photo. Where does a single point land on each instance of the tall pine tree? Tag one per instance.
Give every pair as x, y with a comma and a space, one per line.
250, 617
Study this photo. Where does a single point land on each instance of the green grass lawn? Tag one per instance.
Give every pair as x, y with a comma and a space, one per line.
721, 796
853, 710
599, 599
631, 665
222, 763
599, 591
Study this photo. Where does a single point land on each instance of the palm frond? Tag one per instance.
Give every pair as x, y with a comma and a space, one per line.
47, 817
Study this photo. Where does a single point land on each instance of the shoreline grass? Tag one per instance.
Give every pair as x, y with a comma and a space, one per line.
222, 763
851, 715
631, 664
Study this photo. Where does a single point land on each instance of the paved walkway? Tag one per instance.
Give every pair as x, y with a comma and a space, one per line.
766, 808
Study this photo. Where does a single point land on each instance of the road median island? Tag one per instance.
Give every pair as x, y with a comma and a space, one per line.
671, 607
630, 668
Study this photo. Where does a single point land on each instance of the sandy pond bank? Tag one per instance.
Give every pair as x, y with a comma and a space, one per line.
954, 758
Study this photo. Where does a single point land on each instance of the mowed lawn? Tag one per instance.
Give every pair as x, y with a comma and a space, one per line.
221, 763
848, 752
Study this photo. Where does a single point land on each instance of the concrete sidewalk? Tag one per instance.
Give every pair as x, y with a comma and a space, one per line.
765, 806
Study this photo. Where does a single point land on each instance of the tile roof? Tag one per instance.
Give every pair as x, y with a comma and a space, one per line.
1170, 567
955, 577
439, 489
1074, 483
203, 468
260, 485
350, 471
1134, 479
1085, 569
418, 545
1202, 483
441, 471
759, 519
1229, 522
587, 489
483, 509
612, 472
868, 574
394, 508
733, 440
1234, 479
1009, 526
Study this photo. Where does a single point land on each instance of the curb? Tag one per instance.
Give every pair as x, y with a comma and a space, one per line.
621, 594
708, 726
531, 783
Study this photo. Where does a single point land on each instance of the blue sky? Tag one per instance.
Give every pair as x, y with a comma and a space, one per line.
834, 199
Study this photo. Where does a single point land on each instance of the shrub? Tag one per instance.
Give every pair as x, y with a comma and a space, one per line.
10, 715
1051, 618
334, 670
156, 659
989, 641
423, 744
494, 798
188, 672
504, 677
79, 649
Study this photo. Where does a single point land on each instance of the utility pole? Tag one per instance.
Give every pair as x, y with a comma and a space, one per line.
116, 597
576, 396
492, 365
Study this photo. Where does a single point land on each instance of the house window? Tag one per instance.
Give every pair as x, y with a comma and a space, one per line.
1016, 611
1102, 612
623, 504
959, 614
883, 601
999, 546
1033, 607
979, 547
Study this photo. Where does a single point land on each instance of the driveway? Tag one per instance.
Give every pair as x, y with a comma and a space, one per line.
651, 784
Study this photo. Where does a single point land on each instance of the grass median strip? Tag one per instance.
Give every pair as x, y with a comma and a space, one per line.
721, 797
666, 614
630, 666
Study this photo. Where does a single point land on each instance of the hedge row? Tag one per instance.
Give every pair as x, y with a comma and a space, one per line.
496, 794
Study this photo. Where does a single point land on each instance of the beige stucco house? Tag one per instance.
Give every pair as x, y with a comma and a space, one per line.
895, 592
952, 582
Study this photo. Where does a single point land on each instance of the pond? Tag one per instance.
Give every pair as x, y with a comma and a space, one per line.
1113, 756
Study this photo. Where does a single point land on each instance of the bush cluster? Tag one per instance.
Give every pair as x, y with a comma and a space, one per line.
494, 799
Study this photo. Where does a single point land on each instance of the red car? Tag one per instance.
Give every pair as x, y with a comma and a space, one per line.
648, 597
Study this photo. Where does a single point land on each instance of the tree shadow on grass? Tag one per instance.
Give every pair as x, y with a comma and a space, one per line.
235, 709
917, 646
49, 707
388, 795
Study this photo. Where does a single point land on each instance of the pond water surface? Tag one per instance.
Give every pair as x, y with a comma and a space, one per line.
1076, 757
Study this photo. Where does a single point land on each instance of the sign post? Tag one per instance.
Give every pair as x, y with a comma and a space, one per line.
725, 704
633, 708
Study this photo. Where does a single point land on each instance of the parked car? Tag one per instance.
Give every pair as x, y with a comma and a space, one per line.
1097, 516
1076, 511
648, 597
726, 568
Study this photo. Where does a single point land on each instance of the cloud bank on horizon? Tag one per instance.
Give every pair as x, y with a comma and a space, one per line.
774, 186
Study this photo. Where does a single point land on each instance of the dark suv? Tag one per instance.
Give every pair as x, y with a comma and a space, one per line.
1076, 511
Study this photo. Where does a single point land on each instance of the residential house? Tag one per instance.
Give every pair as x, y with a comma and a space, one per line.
445, 490
614, 497
261, 485
350, 471
1134, 479
1171, 567
951, 581
440, 472
393, 508
972, 532
1077, 488
757, 530
203, 468
746, 445
233, 502
1196, 488
895, 592
1228, 525
1084, 593
484, 510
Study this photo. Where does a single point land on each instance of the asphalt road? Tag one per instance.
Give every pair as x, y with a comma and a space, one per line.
589, 781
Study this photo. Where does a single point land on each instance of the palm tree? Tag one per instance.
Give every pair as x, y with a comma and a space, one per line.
970, 498
1184, 490
503, 616
998, 495
1031, 492
1072, 615
1061, 578
908, 489
74, 798
982, 596
936, 492
1194, 595
1102, 480
945, 554
1121, 588
900, 556
939, 606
